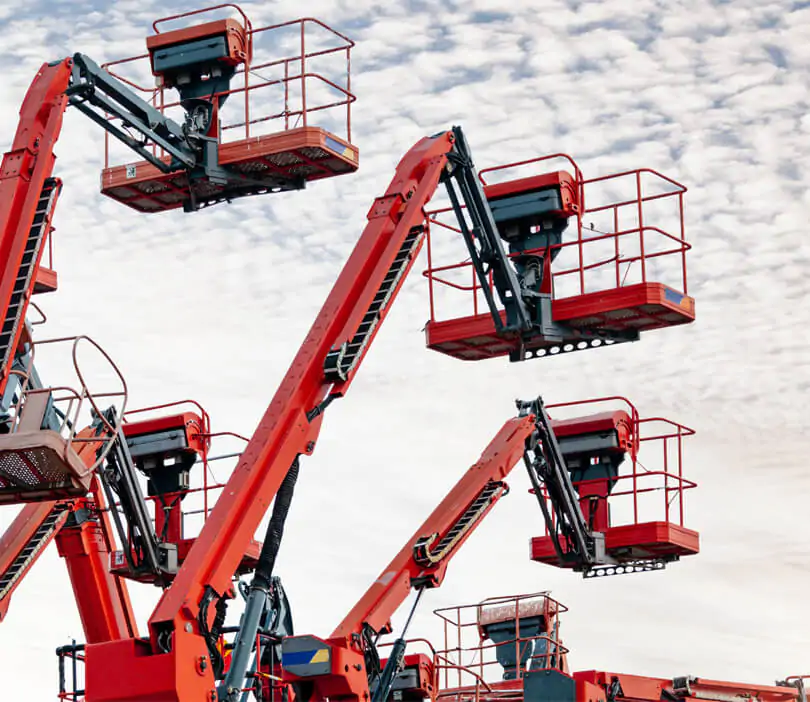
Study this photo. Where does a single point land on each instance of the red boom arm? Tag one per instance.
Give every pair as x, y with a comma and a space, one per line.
411, 567
322, 370
24, 215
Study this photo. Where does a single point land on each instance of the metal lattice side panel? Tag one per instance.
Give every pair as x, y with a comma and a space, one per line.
40, 467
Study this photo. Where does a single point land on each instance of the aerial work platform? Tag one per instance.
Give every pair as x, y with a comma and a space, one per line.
619, 264
287, 120
170, 446
638, 506
43, 457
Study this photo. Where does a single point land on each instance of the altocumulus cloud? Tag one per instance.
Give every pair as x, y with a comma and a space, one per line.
712, 93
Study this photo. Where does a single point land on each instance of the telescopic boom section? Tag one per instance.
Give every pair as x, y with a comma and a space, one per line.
322, 370
424, 559
27, 194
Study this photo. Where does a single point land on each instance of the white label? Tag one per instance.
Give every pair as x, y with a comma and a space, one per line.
132, 170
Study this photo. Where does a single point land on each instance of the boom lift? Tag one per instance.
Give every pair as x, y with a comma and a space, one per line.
200, 63
44, 460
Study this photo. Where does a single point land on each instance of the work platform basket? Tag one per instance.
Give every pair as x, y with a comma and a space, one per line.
493, 648
44, 455
186, 465
287, 118
639, 506
619, 271
490, 652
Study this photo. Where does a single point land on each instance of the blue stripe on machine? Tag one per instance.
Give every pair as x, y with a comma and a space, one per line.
297, 657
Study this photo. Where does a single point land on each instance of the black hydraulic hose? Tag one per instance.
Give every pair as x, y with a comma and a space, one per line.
259, 591
275, 529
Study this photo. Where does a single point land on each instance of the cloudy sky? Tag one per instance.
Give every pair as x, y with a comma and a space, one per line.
214, 306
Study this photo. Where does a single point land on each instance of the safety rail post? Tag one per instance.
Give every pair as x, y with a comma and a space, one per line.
666, 478
519, 669
429, 246
641, 227
581, 251
348, 90
635, 490
286, 94
162, 111
617, 250
683, 239
303, 75
246, 73
680, 472
474, 290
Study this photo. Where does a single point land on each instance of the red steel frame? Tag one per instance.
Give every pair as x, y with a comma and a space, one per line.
296, 149
102, 597
468, 657
439, 275
23, 173
119, 664
207, 487
19, 533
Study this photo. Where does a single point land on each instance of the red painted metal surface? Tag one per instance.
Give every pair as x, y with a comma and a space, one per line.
564, 181
190, 423
288, 113
634, 541
86, 553
24, 170
622, 269
20, 534
236, 33
308, 152
46, 280
618, 421
644, 307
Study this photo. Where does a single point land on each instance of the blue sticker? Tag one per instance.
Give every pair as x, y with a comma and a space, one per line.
671, 296
337, 147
